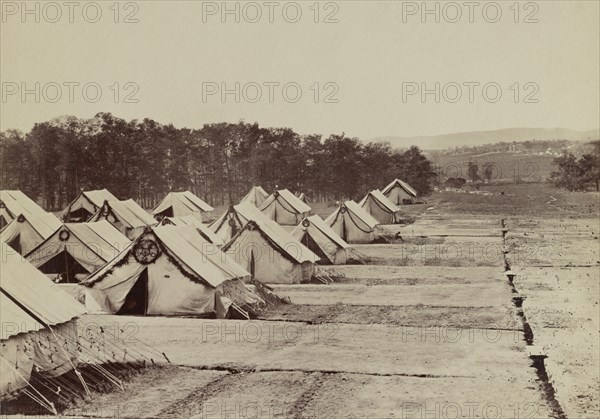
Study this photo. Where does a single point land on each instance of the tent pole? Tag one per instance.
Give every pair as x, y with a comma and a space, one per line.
66, 264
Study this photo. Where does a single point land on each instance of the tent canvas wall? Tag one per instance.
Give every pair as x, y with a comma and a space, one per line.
284, 208
380, 207
190, 220
13, 203
126, 216
264, 248
85, 205
236, 217
317, 236
76, 250
178, 204
167, 270
352, 223
27, 231
400, 192
233, 220
256, 196
45, 336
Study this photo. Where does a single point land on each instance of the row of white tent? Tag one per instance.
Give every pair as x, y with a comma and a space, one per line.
252, 238
92, 205
397, 191
125, 262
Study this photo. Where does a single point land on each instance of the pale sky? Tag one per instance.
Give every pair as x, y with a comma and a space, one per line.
367, 56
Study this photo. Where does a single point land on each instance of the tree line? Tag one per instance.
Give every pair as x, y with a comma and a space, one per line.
577, 174
144, 160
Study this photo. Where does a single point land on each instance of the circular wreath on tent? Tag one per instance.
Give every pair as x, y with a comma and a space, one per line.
306, 223
146, 251
2, 205
232, 222
64, 235
343, 210
252, 226
21, 218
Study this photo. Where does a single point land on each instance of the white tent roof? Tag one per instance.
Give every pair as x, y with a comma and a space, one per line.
256, 196
276, 234
400, 183
13, 208
187, 247
355, 210
190, 220
92, 232
185, 199
318, 223
44, 225
14, 314
100, 242
128, 212
381, 199
98, 197
33, 296
19, 203
222, 263
292, 202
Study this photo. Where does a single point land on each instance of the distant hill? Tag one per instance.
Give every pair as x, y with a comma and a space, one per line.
478, 138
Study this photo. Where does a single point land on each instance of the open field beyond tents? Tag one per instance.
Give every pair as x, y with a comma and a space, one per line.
411, 336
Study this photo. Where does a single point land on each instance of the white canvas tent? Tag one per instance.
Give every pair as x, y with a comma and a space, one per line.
380, 207
256, 196
126, 216
284, 208
39, 330
400, 192
168, 270
190, 220
317, 236
85, 205
263, 247
27, 231
76, 250
178, 204
13, 203
352, 223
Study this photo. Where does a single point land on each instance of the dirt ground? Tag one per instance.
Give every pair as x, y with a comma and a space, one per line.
457, 251
562, 308
420, 332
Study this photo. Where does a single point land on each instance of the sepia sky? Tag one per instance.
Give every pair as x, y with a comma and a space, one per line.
365, 61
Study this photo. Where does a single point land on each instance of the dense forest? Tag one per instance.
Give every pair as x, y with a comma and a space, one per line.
144, 160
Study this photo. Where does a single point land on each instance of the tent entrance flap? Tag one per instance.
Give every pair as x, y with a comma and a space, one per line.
80, 214
167, 212
252, 264
66, 266
136, 301
15, 243
308, 241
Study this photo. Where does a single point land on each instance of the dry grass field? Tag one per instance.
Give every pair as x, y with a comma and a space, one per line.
419, 332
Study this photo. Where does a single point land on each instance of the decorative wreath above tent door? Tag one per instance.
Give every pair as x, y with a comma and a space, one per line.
146, 251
